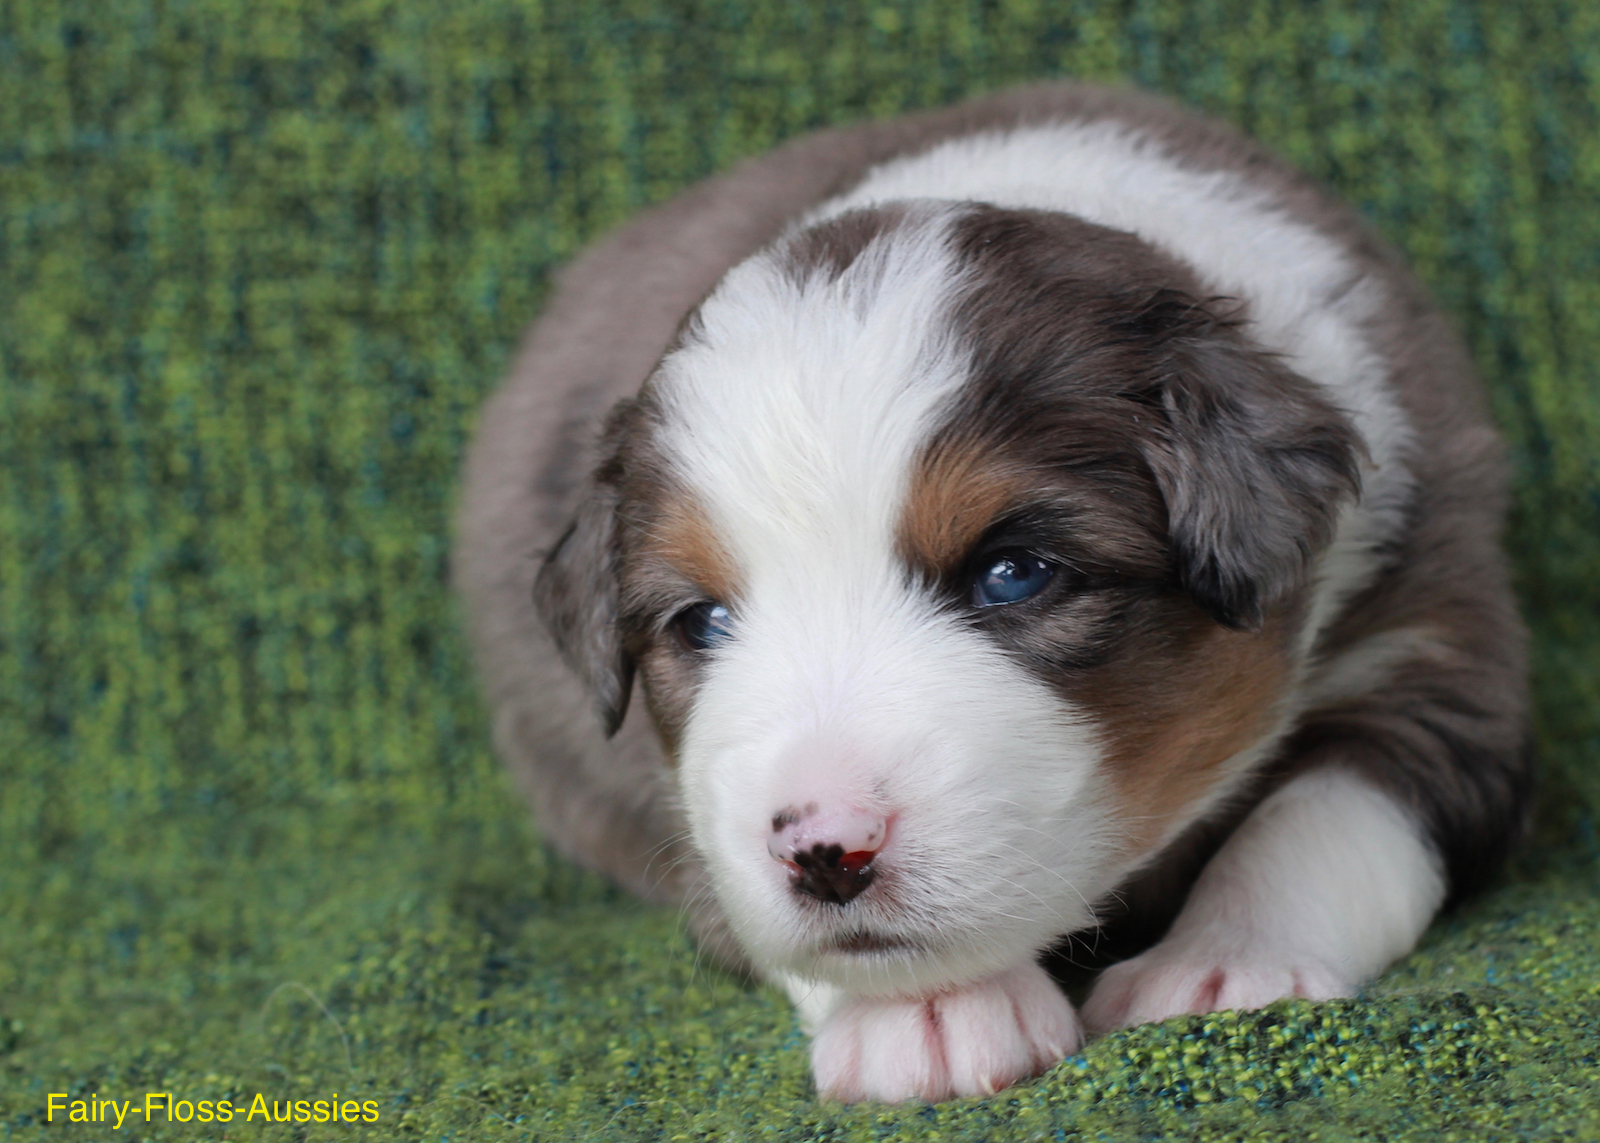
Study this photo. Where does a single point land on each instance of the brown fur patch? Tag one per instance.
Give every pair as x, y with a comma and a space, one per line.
832, 247
1171, 720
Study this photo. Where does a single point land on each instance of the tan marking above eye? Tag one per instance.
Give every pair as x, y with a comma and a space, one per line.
956, 493
684, 538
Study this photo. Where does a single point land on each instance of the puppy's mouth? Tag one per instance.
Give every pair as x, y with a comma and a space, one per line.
863, 943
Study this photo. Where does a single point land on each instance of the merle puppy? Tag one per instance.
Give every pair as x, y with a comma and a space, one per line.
1045, 519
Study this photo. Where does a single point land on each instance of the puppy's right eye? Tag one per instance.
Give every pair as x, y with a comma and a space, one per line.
1010, 576
704, 626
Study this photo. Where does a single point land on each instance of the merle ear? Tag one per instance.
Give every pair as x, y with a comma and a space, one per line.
1255, 465
577, 594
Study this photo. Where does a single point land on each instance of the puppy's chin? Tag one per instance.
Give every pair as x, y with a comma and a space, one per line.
886, 959
865, 942
879, 964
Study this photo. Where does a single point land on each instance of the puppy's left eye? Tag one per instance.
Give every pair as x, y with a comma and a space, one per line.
704, 626
1010, 576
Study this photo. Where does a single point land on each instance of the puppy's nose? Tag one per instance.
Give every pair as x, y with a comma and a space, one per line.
828, 849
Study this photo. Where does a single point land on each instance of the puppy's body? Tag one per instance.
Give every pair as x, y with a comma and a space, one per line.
1272, 682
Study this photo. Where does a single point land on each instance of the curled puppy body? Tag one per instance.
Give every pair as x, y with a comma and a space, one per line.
1045, 523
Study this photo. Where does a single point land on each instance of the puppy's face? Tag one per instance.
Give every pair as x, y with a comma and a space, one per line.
961, 553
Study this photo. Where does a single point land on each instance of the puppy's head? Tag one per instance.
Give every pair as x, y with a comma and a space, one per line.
961, 552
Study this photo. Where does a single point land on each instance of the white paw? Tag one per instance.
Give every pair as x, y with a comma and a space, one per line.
1175, 978
970, 1041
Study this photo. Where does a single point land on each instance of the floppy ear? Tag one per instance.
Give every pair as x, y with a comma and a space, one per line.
577, 593
1254, 463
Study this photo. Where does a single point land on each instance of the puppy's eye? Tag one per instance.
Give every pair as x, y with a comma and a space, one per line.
1010, 576
704, 626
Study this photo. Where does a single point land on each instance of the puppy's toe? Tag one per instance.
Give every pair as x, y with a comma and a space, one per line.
885, 1050
969, 1041
1005, 1029
1174, 980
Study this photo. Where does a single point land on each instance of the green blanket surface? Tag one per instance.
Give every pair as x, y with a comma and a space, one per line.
259, 263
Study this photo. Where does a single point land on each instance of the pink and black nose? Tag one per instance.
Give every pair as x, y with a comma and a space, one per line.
828, 850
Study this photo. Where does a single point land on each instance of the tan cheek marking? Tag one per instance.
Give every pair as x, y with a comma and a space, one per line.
1169, 731
668, 685
956, 492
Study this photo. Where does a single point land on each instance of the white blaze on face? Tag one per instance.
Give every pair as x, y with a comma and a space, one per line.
795, 417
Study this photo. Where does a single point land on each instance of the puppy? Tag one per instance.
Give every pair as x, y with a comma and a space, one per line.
1048, 523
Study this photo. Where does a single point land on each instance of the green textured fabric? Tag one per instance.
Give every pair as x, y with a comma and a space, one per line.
260, 261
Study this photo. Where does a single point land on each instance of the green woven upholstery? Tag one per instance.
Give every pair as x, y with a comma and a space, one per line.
259, 262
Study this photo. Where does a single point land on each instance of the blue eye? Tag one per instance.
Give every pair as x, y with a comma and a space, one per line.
704, 626
1010, 576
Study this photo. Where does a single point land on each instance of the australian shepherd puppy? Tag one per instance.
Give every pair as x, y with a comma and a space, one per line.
1046, 523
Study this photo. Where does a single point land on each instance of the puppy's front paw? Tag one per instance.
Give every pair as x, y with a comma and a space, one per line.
971, 1041
1178, 977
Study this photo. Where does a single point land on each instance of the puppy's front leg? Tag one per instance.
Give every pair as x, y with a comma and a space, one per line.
1327, 882
969, 1040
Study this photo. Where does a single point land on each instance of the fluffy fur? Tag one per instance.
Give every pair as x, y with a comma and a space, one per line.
1261, 720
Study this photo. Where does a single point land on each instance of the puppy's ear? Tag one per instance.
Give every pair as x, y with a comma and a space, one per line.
1254, 462
577, 591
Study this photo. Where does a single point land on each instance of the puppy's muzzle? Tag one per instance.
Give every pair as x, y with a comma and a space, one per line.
829, 851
